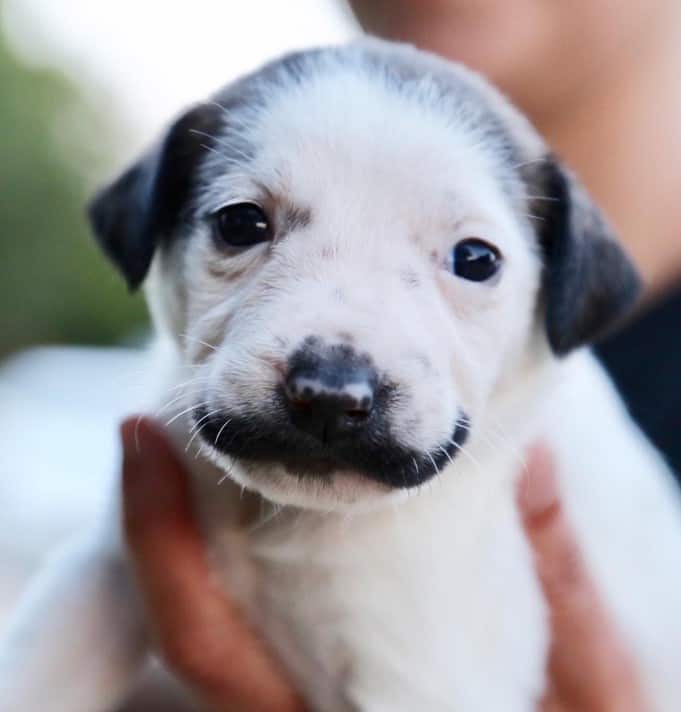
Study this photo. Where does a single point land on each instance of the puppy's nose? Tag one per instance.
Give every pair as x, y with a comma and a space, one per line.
330, 395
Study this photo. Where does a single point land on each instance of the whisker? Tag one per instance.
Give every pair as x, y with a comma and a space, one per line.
185, 411
275, 511
542, 159
210, 149
169, 403
465, 452
222, 427
516, 453
227, 473
217, 140
138, 422
180, 396
447, 455
185, 335
191, 380
228, 146
204, 417
416, 467
192, 438
547, 198
234, 120
435, 467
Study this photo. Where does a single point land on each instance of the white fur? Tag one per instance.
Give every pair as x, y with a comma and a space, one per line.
378, 600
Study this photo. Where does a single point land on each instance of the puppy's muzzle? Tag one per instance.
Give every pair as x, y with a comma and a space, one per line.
330, 395
332, 411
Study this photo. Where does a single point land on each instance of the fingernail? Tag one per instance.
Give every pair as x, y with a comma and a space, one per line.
538, 489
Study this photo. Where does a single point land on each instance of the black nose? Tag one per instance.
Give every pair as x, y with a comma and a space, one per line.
330, 391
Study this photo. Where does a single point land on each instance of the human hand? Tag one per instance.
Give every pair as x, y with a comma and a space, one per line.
199, 632
208, 644
589, 669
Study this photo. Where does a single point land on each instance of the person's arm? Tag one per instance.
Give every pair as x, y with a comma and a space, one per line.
201, 635
589, 669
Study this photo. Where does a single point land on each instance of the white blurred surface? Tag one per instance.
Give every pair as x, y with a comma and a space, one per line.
58, 425
155, 57
58, 447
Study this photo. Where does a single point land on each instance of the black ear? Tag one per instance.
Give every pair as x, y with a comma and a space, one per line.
121, 220
145, 205
589, 283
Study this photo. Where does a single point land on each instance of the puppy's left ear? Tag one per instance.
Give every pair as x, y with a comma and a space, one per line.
144, 205
589, 283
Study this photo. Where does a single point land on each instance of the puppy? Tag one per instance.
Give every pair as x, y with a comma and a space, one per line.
372, 281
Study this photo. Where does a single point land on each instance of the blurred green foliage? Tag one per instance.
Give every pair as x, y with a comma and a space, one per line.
55, 285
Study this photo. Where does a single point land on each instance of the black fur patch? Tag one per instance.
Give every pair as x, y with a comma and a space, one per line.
268, 437
589, 283
295, 218
295, 435
146, 204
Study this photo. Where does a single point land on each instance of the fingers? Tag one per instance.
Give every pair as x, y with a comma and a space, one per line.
209, 644
589, 667
201, 634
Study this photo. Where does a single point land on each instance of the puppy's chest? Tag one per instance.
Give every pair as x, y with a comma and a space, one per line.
419, 608
292, 596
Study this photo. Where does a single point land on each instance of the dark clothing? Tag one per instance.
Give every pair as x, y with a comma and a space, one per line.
644, 360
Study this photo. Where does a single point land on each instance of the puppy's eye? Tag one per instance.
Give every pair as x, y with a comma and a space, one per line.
242, 225
475, 260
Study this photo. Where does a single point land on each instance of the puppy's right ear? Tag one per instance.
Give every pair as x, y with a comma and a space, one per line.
143, 207
120, 216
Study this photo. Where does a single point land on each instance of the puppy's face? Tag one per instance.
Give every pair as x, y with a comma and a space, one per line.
352, 250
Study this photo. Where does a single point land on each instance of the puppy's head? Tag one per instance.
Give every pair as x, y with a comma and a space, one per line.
355, 249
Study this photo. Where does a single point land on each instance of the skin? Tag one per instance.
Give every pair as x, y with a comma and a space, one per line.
589, 667
206, 642
202, 636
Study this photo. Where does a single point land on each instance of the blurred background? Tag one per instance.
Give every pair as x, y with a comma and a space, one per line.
84, 87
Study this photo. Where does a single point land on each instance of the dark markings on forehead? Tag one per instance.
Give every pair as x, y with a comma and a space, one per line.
295, 218
410, 278
453, 92
347, 337
450, 91
235, 105
398, 68
253, 91
179, 163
